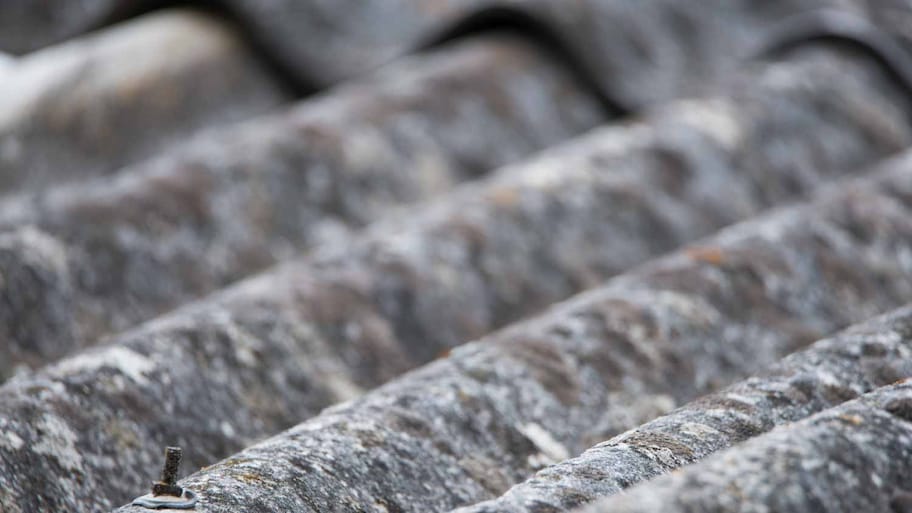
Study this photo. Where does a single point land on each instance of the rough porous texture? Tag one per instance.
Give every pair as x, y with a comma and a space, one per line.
636, 54
832, 371
235, 201
855, 457
465, 428
90, 106
278, 348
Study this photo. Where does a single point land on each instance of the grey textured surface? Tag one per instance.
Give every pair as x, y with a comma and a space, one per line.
638, 53
855, 457
236, 200
832, 371
277, 348
89, 106
465, 428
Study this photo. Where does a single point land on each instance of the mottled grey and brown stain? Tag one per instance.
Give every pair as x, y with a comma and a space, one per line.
853, 457
277, 348
619, 355
230, 203
90, 106
832, 371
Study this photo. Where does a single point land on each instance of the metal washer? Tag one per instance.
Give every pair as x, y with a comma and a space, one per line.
187, 500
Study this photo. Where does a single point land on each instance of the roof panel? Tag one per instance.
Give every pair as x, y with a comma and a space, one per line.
868, 356
853, 457
415, 103
239, 198
466, 427
279, 347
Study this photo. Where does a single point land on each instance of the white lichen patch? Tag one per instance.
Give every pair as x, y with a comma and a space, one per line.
663, 403
246, 355
743, 398
544, 442
553, 168
247, 347
343, 388
227, 429
698, 430
129, 363
878, 482
57, 441
715, 118
11, 440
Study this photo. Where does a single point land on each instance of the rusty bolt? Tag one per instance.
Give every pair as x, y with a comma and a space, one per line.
165, 492
168, 483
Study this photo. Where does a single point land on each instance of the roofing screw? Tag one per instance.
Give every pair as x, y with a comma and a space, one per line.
165, 492
167, 485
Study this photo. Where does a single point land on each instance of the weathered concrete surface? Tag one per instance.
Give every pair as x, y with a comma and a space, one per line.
871, 355
183, 226
466, 427
855, 457
278, 348
239, 199
91, 105
637, 53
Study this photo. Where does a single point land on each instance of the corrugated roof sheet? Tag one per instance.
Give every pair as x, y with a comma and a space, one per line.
852, 457
830, 372
465, 427
189, 258
237, 199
